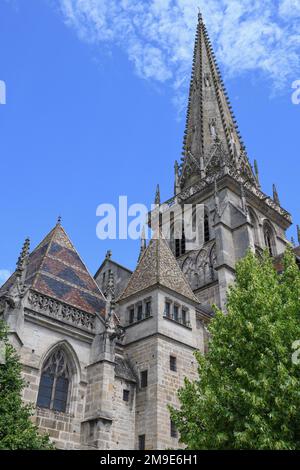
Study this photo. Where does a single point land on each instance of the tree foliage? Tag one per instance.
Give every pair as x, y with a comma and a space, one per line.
17, 431
247, 395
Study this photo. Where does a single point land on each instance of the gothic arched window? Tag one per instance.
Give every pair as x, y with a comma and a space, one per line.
55, 382
206, 227
269, 239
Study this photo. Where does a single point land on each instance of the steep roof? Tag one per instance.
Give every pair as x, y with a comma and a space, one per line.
158, 266
55, 269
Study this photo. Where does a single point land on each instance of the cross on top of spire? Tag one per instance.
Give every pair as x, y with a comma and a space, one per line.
200, 17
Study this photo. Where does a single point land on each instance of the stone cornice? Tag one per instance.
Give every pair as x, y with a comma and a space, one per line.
188, 193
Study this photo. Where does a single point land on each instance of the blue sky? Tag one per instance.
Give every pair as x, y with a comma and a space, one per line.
96, 92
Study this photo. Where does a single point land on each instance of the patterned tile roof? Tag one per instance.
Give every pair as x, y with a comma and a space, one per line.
158, 266
56, 270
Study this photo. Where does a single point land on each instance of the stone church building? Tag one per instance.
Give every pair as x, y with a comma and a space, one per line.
103, 357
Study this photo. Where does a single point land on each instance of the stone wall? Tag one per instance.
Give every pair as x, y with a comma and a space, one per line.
168, 385
143, 356
123, 427
38, 341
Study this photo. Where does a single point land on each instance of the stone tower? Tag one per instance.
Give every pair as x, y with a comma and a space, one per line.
215, 172
164, 326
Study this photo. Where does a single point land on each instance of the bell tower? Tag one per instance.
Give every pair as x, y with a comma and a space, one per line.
215, 172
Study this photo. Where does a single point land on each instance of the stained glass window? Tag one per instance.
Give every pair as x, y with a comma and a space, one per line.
54, 383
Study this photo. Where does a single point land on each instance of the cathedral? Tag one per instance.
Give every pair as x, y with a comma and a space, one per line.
104, 356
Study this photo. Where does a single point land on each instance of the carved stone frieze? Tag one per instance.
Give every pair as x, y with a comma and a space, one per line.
62, 312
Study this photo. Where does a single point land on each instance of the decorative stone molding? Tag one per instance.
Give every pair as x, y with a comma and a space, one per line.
235, 174
62, 312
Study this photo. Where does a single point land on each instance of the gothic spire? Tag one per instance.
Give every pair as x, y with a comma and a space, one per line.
143, 244
21, 263
176, 181
157, 196
256, 172
211, 140
275, 195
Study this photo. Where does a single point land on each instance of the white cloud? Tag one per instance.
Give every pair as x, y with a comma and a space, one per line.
290, 8
260, 36
4, 275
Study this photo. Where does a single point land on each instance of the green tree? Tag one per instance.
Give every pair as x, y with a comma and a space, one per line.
247, 395
17, 431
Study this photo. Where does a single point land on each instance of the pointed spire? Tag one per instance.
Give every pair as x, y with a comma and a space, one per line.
256, 172
21, 263
176, 182
209, 114
143, 244
275, 195
298, 234
200, 17
157, 196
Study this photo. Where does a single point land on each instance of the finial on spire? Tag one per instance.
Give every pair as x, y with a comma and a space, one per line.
157, 196
176, 182
143, 239
275, 195
143, 244
200, 17
108, 254
298, 234
256, 171
59, 219
23, 256
110, 290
